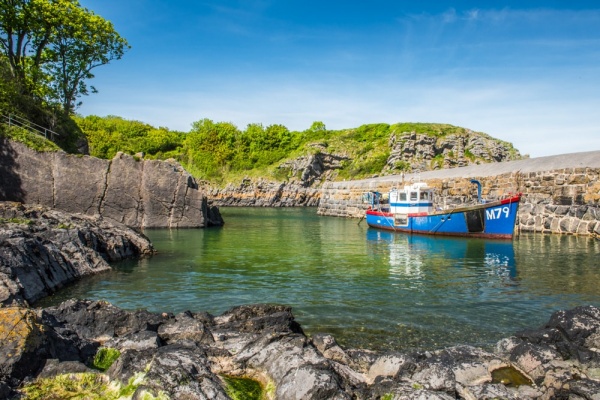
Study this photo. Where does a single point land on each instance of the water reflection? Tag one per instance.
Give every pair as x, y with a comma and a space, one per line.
369, 288
405, 254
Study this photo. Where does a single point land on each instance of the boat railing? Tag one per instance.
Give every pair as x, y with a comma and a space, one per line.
443, 206
376, 201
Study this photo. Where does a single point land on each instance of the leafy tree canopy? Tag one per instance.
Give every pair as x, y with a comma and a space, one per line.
221, 152
53, 45
48, 51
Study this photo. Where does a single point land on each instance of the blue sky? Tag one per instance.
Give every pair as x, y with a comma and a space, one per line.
527, 72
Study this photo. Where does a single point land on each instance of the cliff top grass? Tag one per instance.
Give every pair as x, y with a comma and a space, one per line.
32, 140
221, 153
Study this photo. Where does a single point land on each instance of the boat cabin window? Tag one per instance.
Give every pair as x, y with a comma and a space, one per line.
414, 196
402, 196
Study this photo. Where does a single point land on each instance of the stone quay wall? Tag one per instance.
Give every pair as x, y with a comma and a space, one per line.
560, 194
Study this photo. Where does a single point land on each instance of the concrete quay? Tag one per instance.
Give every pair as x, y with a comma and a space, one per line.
560, 194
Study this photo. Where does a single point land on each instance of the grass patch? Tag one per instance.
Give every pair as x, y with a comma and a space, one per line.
402, 166
243, 388
88, 386
105, 357
29, 139
437, 162
20, 221
70, 386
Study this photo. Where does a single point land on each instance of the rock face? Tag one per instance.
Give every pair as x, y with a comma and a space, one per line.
187, 356
306, 175
315, 168
41, 250
420, 152
138, 193
263, 193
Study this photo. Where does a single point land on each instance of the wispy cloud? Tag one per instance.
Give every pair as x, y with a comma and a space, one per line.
528, 76
532, 116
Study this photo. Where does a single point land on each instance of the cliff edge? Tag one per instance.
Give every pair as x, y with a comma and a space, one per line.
136, 192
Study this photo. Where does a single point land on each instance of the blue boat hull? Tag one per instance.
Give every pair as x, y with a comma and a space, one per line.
491, 220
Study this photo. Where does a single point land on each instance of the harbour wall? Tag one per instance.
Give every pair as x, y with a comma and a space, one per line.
560, 194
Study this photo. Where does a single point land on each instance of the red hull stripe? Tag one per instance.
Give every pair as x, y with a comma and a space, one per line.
428, 233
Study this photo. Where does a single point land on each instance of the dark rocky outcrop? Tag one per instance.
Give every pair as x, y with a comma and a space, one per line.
136, 192
264, 193
316, 168
187, 356
41, 250
420, 152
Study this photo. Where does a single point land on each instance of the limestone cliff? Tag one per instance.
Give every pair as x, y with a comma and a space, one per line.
420, 152
407, 151
139, 193
264, 193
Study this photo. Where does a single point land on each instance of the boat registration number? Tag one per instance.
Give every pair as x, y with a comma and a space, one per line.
497, 213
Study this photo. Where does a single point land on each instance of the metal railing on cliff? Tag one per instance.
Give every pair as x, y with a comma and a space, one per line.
15, 120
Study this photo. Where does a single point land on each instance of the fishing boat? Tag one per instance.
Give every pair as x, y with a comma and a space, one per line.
411, 210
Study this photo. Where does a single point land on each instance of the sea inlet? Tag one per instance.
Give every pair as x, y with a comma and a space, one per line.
368, 288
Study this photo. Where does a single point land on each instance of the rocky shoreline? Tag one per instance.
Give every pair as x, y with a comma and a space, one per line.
42, 250
195, 355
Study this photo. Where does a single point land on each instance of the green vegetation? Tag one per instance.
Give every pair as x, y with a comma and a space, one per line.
243, 388
220, 152
109, 135
105, 357
20, 221
437, 162
469, 155
89, 386
51, 46
402, 166
48, 50
31, 140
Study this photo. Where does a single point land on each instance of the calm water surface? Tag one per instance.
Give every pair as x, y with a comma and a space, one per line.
366, 287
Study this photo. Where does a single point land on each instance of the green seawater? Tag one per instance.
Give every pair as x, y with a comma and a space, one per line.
368, 288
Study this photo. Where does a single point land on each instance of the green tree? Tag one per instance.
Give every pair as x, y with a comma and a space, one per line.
210, 147
52, 46
25, 30
86, 41
108, 135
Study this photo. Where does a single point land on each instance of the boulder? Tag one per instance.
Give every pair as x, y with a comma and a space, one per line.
23, 340
195, 356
